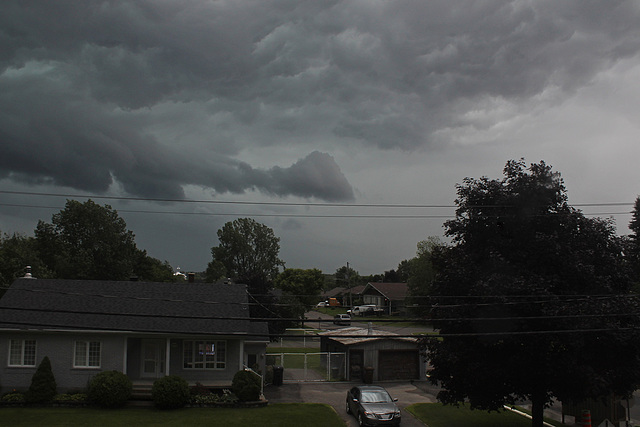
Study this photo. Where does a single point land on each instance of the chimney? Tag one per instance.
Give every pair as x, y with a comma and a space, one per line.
27, 273
192, 277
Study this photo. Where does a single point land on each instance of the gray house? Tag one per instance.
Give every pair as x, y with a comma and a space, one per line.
199, 331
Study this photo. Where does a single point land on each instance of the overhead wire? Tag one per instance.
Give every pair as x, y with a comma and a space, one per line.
293, 319
297, 215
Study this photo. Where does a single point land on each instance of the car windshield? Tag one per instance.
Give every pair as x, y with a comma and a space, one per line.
375, 397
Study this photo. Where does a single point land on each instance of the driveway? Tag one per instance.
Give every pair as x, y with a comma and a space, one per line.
334, 394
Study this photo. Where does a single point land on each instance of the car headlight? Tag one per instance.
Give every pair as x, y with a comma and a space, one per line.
369, 414
397, 413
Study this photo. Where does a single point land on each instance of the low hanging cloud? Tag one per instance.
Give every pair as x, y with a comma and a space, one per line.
158, 94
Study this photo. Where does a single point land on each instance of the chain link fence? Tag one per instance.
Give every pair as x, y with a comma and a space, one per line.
320, 366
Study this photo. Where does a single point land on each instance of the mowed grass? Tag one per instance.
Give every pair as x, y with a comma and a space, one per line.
294, 357
438, 415
276, 415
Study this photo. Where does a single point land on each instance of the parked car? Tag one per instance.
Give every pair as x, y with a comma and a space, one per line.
373, 406
342, 319
368, 309
322, 304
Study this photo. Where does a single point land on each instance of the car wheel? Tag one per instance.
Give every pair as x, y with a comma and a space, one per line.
360, 420
347, 408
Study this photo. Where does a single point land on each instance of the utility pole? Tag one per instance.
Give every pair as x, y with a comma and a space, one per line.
349, 286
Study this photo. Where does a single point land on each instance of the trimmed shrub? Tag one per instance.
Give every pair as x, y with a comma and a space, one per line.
13, 397
109, 389
43, 384
246, 385
170, 392
70, 398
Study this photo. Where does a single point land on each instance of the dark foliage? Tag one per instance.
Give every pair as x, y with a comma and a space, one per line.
533, 299
246, 385
43, 384
110, 389
170, 392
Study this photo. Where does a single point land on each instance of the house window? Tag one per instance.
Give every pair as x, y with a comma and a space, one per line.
87, 354
205, 354
22, 353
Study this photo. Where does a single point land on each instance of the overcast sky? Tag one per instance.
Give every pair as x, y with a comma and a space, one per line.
316, 115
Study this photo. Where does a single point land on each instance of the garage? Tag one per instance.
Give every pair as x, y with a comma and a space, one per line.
391, 357
398, 365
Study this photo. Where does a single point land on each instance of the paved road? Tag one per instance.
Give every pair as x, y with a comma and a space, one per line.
334, 394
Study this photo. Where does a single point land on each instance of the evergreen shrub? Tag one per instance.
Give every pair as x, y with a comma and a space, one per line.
43, 384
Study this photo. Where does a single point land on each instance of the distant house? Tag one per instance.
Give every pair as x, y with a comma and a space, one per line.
388, 296
198, 331
391, 357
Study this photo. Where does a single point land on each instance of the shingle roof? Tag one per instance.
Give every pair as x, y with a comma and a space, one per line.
185, 308
356, 335
392, 291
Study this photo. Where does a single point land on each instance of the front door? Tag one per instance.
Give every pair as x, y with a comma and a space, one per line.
153, 358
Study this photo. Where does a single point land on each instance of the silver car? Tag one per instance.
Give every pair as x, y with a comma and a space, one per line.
372, 406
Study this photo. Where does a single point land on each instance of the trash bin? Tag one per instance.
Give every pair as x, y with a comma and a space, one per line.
368, 375
278, 374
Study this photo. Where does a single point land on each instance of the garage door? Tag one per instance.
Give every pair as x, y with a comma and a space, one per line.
398, 365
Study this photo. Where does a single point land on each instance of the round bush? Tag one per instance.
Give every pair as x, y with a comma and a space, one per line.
110, 389
246, 385
170, 392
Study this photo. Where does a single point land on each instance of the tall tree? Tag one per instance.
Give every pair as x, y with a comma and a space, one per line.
152, 269
634, 241
404, 270
301, 290
17, 252
532, 298
422, 275
249, 252
87, 241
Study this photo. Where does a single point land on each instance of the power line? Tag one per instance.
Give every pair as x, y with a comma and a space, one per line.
292, 215
246, 202
223, 202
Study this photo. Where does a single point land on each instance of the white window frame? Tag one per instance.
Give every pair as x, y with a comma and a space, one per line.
87, 354
23, 352
194, 359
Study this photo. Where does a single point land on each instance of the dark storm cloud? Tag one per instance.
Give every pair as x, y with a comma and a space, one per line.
89, 89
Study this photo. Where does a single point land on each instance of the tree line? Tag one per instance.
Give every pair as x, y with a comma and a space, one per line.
531, 299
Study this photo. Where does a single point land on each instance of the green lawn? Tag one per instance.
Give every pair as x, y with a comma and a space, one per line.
279, 350
276, 415
295, 360
438, 415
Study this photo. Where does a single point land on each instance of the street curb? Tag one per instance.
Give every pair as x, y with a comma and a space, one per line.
524, 414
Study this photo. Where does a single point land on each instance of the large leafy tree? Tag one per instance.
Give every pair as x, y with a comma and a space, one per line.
532, 298
300, 291
421, 276
87, 241
634, 241
17, 252
249, 252
152, 269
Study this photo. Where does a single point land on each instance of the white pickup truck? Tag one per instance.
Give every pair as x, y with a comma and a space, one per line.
361, 310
